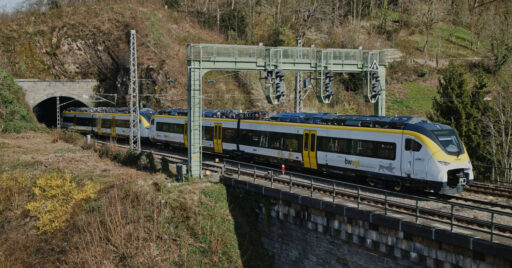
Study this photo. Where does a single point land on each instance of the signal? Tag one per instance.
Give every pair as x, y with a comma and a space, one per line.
328, 79
375, 89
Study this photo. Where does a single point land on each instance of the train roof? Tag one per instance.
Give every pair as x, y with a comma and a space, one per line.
209, 113
145, 112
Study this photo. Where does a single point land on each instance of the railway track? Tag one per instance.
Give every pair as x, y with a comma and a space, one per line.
476, 201
385, 202
368, 198
490, 190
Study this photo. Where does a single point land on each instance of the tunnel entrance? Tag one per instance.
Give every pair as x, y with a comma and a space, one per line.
46, 111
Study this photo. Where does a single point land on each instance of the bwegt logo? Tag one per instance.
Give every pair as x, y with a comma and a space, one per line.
355, 163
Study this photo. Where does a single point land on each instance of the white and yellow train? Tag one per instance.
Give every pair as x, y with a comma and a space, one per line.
397, 151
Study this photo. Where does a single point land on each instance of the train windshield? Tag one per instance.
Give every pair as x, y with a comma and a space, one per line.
449, 140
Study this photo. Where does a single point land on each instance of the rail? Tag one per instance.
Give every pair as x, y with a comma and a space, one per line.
455, 215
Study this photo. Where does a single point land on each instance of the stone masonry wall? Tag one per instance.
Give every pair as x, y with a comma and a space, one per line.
299, 236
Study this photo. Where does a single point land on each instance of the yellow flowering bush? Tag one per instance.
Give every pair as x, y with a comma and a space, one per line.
55, 198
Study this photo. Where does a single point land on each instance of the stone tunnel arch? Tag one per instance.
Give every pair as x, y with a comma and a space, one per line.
46, 110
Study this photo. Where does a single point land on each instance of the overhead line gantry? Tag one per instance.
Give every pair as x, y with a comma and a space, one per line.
271, 63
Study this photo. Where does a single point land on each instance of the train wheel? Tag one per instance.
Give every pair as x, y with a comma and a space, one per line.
398, 185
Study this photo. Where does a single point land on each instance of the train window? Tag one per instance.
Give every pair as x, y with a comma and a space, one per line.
177, 128
263, 141
164, 127
362, 148
81, 121
306, 142
412, 145
105, 123
275, 141
325, 144
229, 135
343, 146
68, 120
208, 133
386, 150
313, 142
291, 143
122, 123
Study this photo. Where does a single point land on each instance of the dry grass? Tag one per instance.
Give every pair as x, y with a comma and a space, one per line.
138, 219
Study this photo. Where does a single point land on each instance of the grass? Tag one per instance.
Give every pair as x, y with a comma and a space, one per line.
134, 219
449, 42
67, 150
417, 100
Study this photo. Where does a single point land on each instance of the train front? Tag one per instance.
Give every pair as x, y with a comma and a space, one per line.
452, 168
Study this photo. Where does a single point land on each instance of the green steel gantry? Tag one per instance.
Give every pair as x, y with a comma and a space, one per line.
269, 61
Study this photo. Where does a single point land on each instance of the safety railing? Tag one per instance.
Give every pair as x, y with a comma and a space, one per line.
481, 220
219, 52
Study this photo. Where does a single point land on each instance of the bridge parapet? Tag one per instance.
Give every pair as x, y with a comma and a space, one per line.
304, 231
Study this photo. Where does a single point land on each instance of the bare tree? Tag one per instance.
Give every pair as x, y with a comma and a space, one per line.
474, 8
499, 127
431, 12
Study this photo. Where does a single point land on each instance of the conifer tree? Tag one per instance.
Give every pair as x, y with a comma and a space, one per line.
463, 108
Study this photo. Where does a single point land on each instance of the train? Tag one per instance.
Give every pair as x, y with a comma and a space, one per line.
400, 152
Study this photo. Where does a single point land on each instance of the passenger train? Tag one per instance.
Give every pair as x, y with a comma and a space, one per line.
399, 151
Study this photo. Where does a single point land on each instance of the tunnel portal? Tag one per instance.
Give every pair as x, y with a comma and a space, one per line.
46, 111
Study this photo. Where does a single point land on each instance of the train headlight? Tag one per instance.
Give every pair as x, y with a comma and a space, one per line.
444, 163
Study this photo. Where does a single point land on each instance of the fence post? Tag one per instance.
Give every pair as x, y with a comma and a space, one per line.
386, 203
492, 226
254, 175
238, 170
224, 167
452, 218
333, 192
493, 177
358, 196
311, 188
271, 179
291, 183
417, 211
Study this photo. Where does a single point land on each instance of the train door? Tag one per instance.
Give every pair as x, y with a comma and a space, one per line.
185, 134
309, 149
217, 137
113, 126
74, 122
98, 124
407, 157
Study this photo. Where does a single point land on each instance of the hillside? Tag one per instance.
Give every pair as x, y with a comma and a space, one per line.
69, 40
15, 115
61, 205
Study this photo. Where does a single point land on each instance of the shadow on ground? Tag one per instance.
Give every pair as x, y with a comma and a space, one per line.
244, 207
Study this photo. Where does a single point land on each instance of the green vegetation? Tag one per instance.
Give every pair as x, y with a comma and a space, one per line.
416, 101
15, 115
463, 108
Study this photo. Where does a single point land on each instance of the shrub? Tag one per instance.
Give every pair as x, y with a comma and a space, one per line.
105, 151
67, 136
131, 158
15, 115
55, 198
118, 156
